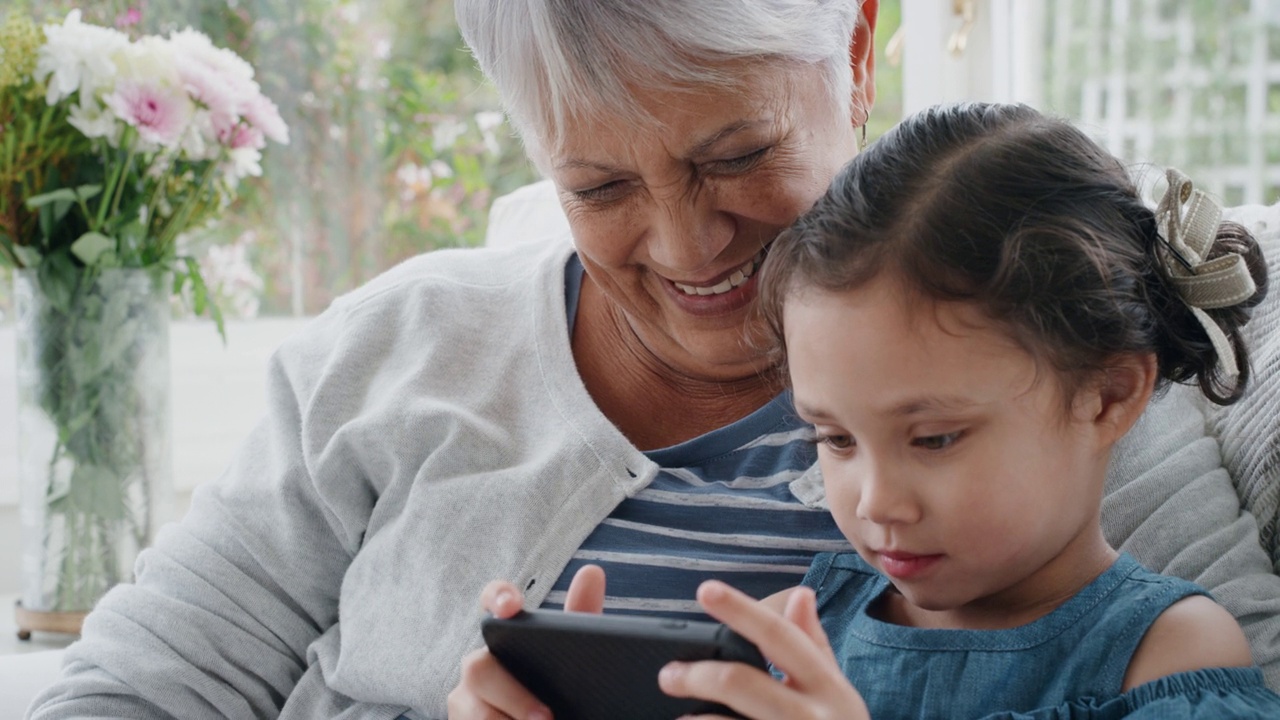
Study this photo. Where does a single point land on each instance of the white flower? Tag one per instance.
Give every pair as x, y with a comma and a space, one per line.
77, 57
95, 120
229, 270
446, 133
441, 169
149, 59
488, 121
244, 162
414, 180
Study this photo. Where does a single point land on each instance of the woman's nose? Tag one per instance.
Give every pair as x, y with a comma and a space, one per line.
687, 232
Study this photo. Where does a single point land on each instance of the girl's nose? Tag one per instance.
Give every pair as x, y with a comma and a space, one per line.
884, 498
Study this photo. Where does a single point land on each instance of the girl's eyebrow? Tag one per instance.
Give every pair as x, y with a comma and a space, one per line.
911, 406
945, 403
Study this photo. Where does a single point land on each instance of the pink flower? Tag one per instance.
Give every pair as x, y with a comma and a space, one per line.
247, 136
265, 116
132, 16
212, 90
159, 113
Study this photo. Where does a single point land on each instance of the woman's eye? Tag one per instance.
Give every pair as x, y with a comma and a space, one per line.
740, 163
936, 442
600, 193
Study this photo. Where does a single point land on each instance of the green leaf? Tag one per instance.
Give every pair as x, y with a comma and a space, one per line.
67, 195
90, 247
201, 297
58, 277
88, 192
27, 255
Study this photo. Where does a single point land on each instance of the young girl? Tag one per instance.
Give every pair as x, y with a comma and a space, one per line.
1022, 304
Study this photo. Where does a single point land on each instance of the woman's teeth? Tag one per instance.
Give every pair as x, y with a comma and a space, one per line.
738, 277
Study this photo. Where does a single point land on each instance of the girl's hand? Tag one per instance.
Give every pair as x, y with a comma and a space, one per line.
486, 690
794, 642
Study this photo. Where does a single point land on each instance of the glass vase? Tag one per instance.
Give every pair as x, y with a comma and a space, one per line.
94, 441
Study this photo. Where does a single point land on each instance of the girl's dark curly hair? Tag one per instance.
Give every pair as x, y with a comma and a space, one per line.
1028, 218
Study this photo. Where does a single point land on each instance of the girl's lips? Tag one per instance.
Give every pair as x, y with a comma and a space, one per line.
905, 566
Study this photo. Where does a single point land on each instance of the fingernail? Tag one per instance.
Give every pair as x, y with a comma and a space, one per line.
671, 672
539, 714
503, 597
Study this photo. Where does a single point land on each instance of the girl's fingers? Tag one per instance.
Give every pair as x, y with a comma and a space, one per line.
501, 599
487, 690
586, 590
788, 647
802, 610
750, 691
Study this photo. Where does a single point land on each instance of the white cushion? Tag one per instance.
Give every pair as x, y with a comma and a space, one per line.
23, 676
528, 213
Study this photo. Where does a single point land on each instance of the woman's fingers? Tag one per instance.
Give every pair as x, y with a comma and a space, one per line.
586, 590
488, 691
501, 599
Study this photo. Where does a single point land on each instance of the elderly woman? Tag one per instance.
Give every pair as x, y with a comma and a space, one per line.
520, 413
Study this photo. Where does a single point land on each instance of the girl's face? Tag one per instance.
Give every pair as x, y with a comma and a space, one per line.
950, 459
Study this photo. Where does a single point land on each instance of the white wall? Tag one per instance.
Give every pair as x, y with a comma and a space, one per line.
217, 396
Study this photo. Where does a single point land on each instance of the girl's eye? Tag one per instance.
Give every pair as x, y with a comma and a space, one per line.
936, 442
741, 163
838, 442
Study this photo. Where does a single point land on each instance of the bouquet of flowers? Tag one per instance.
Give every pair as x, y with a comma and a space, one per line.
110, 150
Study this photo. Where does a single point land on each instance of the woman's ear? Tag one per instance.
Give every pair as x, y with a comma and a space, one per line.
1122, 393
862, 58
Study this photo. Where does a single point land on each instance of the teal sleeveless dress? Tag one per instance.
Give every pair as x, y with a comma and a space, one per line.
1067, 665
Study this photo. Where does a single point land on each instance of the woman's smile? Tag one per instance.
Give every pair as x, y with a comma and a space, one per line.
725, 293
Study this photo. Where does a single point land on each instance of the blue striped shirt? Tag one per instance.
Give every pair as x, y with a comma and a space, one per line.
720, 507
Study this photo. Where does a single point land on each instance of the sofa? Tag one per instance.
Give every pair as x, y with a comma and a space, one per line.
1249, 432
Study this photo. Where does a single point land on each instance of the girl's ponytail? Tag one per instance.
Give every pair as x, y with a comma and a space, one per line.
1207, 277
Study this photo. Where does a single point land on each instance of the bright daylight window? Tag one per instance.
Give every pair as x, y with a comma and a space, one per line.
1189, 83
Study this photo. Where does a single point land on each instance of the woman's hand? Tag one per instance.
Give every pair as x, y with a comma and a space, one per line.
486, 690
794, 642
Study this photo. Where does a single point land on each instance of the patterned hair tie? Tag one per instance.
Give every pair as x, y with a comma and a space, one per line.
1188, 222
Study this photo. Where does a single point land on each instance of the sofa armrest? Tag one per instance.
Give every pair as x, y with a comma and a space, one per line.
25, 675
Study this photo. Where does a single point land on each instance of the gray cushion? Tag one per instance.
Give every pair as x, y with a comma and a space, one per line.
1250, 430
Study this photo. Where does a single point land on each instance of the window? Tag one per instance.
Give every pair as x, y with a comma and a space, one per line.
1190, 83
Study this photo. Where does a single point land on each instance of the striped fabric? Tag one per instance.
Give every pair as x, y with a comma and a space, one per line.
719, 508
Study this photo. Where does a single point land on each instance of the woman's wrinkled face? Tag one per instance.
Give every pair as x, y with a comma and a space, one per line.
672, 220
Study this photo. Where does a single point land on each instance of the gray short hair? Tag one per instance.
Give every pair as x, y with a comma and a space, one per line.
553, 60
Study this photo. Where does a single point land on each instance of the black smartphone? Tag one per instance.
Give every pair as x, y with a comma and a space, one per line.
605, 667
